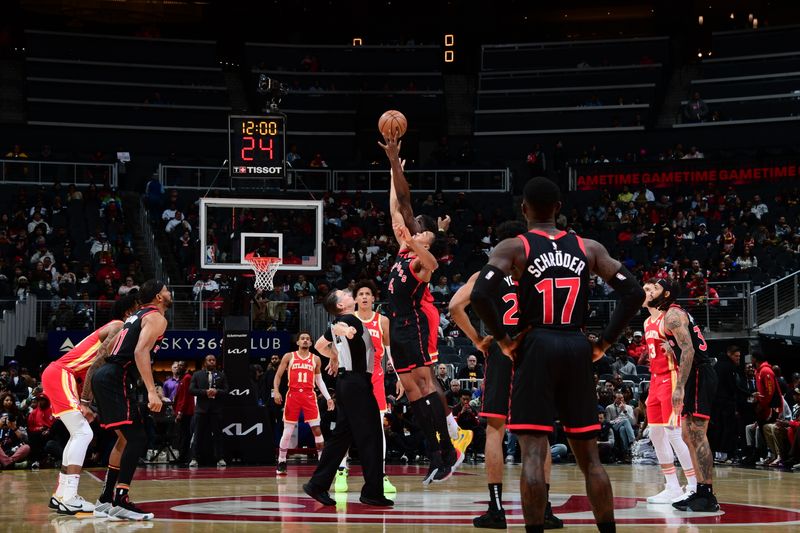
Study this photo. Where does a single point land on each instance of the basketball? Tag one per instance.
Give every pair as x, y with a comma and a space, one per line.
391, 121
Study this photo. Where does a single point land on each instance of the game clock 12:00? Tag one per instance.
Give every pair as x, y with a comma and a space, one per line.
257, 146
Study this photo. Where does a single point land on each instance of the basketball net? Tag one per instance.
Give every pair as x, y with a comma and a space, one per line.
264, 269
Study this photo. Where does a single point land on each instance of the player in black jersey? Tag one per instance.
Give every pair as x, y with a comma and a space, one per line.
497, 387
414, 320
694, 392
114, 387
552, 268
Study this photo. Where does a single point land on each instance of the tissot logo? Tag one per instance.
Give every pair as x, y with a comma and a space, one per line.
236, 351
239, 392
66, 346
235, 429
258, 170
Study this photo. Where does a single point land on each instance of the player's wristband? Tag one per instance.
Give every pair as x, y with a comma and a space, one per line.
86, 402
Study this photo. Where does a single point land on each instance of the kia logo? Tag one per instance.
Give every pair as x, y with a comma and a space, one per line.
235, 429
237, 351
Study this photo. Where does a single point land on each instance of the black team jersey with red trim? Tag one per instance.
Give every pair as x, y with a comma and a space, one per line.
698, 341
406, 290
554, 288
124, 347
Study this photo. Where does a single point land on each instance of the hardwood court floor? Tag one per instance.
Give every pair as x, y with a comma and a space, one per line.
251, 499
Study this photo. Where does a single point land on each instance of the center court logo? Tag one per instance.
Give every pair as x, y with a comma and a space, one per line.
452, 510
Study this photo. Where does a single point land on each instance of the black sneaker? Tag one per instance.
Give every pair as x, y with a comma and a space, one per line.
443, 474
551, 521
281, 470
698, 503
321, 496
491, 520
377, 501
432, 471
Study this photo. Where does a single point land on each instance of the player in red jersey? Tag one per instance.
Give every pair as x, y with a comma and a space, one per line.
304, 371
61, 383
693, 393
378, 327
664, 423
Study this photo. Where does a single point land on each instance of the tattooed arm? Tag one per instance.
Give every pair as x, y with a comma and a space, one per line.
677, 323
87, 395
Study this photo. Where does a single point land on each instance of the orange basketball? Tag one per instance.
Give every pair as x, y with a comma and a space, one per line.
392, 121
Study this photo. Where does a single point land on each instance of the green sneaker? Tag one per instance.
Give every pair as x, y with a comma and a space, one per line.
387, 485
340, 485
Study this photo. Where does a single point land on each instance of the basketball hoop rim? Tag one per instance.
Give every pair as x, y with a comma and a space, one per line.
262, 263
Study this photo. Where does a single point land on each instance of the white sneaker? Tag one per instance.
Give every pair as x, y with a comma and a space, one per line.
74, 505
667, 495
685, 495
221, 463
101, 509
193, 463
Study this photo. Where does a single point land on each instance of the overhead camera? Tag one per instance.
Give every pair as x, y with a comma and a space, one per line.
272, 89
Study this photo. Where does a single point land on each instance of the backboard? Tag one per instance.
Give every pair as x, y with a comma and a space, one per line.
231, 228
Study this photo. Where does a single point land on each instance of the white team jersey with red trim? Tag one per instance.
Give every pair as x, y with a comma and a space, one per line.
373, 325
301, 372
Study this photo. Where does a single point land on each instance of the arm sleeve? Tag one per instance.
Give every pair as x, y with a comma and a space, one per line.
322, 387
630, 296
484, 300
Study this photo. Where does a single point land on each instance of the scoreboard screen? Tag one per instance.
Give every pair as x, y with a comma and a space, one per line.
257, 146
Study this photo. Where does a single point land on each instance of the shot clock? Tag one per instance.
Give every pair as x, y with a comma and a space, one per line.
257, 146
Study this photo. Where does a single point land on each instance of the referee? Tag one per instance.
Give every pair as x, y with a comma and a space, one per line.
357, 415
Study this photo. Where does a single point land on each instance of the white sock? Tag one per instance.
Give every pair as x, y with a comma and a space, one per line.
670, 473
452, 426
282, 455
685, 458
62, 482
319, 442
70, 486
343, 464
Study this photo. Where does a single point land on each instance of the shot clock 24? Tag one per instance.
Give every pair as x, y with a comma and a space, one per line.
257, 146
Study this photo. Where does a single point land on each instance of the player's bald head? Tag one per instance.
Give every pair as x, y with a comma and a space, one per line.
542, 198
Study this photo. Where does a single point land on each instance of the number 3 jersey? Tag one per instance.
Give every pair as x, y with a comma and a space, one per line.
698, 341
554, 288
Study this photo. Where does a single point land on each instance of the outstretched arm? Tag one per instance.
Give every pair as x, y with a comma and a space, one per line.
399, 192
677, 323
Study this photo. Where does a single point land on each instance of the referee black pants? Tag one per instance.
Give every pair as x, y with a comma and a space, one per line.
357, 421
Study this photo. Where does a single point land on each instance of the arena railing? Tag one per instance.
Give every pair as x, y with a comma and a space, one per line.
150, 243
17, 323
34, 172
433, 180
216, 178
775, 299
49, 315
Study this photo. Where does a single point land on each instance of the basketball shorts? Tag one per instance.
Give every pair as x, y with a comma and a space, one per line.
61, 388
701, 387
304, 401
553, 380
659, 400
432, 315
497, 384
114, 388
409, 342
378, 388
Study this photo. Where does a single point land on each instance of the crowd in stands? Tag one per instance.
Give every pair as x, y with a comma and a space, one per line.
70, 248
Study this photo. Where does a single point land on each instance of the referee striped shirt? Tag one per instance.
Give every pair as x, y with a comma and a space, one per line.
356, 354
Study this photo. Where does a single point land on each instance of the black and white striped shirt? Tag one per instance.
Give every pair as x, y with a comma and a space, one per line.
356, 354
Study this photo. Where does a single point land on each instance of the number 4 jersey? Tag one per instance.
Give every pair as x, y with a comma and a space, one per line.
554, 288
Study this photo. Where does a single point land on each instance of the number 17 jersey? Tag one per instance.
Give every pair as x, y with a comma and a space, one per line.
554, 288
